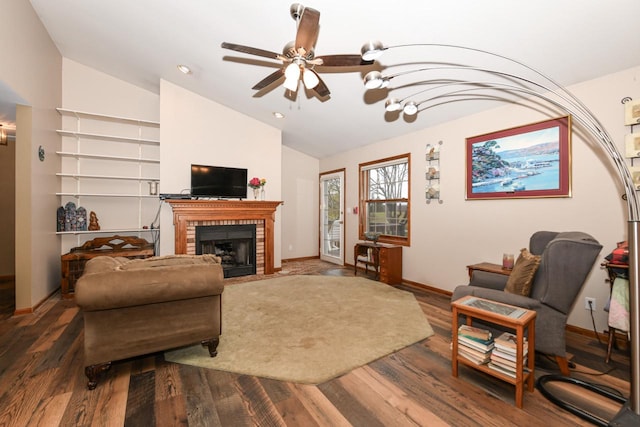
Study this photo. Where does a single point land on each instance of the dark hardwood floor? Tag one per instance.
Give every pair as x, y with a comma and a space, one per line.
42, 382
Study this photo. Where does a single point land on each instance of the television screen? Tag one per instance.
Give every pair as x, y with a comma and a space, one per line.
219, 182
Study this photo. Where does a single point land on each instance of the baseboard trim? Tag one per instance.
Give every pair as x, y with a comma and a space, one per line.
31, 310
426, 287
305, 258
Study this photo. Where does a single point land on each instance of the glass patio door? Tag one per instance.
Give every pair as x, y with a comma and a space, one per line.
332, 217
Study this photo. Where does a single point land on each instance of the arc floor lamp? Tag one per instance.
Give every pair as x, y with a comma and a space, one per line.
491, 76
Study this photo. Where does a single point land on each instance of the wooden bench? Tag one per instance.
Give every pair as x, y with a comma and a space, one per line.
73, 262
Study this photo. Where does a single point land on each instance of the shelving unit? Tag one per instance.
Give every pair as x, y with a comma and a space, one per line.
525, 322
109, 165
432, 174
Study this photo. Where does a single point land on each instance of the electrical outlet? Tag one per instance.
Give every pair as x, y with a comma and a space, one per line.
591, 300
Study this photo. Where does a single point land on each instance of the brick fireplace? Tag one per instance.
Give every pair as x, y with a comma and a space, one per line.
188, 214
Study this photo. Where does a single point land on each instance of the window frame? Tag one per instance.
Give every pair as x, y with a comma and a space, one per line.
363, 201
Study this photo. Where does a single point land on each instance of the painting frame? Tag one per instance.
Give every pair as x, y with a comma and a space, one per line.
502, 164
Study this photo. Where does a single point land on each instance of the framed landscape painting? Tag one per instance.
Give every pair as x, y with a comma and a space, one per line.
533, 160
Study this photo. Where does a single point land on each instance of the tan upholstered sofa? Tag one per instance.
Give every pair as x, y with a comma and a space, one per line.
142, 306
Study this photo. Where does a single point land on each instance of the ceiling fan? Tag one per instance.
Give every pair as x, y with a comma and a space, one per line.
298, 57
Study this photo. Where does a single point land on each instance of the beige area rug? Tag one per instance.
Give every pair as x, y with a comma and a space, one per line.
309, 329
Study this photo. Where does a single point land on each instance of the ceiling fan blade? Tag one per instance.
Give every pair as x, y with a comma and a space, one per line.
321, 89
307, 30
269, 79
343, 60
251, 50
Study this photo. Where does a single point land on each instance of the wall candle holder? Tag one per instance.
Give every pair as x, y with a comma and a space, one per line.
432, 175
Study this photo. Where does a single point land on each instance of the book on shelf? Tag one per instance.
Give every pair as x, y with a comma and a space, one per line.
474, 351
506, 371
481, 346
505, 355
478, 359
498, 359
473, 332
508, 342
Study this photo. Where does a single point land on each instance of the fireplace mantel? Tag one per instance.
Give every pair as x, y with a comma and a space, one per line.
185, 211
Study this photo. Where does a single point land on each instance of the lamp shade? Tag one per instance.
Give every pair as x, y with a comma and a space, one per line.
309, 78
371, 50
291, 83
373, 80
410, 108
292, 71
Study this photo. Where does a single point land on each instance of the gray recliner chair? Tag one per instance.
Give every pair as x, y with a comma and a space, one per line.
566, 261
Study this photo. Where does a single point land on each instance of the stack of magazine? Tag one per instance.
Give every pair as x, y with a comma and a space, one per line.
475, 344
503, 356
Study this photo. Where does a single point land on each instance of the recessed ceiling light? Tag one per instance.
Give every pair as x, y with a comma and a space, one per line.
184, 69
278, 115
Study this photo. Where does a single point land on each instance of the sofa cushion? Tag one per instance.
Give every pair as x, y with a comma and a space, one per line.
522, 274
169, 260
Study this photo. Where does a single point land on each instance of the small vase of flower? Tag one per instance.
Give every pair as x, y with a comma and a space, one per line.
257, 184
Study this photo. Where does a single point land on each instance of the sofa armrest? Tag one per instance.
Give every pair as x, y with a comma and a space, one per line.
485, 279
126, 288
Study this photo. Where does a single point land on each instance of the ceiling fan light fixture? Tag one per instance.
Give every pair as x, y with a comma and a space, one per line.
392, 104
372, 50
291, 84
292, 71
410, 108
309, 78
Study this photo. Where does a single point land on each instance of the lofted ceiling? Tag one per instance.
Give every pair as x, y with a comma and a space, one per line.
142, 41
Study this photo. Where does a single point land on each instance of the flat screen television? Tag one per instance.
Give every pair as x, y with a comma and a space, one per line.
218, 182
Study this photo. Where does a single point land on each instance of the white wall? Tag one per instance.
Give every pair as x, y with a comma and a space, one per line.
447, 237
34, 74
194, 129
300, 213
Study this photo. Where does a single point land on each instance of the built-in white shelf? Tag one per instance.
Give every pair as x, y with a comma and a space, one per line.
126, 178
111, 149
136, 196
104, 157
106, 117
107, 137
111, 231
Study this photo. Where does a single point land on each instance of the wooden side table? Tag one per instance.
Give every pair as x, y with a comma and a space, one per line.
489, 267
526, 321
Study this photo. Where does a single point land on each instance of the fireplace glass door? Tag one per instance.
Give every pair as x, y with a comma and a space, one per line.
234, 244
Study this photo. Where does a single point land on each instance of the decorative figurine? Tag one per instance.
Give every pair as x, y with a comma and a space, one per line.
93, 221
81, 219
70, 217
60, 219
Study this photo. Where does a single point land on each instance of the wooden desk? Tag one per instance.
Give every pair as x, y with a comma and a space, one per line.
386, 261
489, 267
519, 324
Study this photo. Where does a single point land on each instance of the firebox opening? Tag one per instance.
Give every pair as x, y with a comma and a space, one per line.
234, 244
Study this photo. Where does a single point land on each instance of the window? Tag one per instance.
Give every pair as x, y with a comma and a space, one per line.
384, 199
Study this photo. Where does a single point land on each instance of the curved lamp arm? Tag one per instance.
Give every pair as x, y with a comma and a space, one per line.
559, 97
